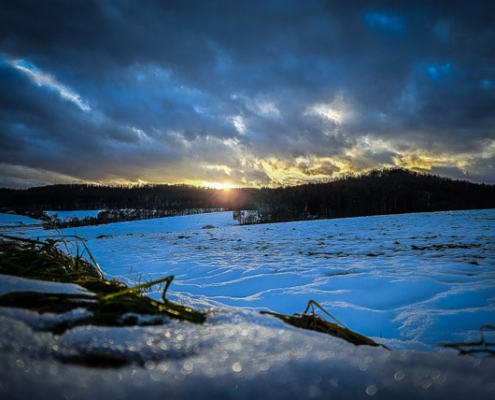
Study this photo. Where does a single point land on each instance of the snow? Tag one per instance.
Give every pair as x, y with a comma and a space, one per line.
79, 214
407, 281
8, 221
416, 278
8, 284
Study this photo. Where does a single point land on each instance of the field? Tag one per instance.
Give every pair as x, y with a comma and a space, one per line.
409, 282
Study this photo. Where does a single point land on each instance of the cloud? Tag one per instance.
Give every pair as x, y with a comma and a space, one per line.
386, 21
42, 79
254, 92
18, 176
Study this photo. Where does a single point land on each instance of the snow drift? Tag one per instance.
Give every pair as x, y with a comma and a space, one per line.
408, 281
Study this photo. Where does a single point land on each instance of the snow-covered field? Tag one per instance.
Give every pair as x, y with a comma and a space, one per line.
80, 214
407, 281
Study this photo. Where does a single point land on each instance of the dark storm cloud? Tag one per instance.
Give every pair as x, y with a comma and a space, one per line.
150, 90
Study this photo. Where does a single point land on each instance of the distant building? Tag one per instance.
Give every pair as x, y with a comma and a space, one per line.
247, 217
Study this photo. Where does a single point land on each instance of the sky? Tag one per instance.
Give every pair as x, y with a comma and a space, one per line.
244, 93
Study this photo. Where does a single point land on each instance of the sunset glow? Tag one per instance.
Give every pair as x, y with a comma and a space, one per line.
218, 185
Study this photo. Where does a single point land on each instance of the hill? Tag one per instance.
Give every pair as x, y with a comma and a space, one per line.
378, 192
394, 191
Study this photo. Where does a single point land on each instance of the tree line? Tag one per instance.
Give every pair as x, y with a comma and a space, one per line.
93, 197
53, 221
393, 191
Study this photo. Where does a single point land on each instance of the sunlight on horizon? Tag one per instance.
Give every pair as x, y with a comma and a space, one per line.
218, 185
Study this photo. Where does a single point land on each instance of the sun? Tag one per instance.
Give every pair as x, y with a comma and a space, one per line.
219, 185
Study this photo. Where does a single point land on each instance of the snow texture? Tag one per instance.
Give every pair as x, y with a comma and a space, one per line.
408, 281
80, 214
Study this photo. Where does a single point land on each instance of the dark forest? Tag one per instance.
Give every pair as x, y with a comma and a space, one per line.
394, 191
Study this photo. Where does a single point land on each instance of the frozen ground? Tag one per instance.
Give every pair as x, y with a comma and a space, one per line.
419, 279
408, 281
9, 221
80, 214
